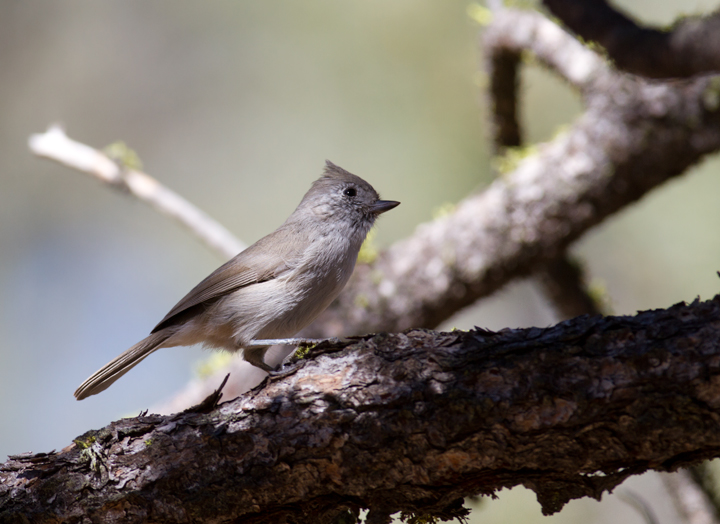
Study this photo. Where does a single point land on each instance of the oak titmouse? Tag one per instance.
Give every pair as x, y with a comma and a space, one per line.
272, 289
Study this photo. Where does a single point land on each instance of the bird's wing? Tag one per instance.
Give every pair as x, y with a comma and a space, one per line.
255, 264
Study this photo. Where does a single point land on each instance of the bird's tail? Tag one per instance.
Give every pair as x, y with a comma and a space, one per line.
110, 372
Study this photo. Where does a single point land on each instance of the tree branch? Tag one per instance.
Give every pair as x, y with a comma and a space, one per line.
561, 279
690, 47
502, 67
55, 145
412, 422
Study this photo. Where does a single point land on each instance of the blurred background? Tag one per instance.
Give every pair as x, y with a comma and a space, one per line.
236, 106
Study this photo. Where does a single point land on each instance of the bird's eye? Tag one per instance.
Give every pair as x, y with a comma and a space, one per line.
350, 192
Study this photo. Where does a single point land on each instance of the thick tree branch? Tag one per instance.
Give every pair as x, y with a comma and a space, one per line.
690, 47
411, 421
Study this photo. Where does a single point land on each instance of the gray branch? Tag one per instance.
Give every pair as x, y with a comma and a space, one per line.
562, 279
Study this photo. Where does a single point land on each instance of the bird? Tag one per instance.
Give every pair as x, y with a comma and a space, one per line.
272, 289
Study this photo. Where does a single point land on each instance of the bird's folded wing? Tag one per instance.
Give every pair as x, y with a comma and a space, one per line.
255, 264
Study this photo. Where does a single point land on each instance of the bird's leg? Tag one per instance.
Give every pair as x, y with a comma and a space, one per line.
255, 355
284, 342
254, 351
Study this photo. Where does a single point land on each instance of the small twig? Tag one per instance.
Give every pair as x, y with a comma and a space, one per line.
211, 401
55, 145
564, 284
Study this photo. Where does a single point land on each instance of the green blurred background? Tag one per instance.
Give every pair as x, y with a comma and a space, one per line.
236, 105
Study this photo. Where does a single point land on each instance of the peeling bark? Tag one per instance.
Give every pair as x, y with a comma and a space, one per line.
412, 421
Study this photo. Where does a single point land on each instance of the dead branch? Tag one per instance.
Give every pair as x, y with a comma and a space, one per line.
413, 421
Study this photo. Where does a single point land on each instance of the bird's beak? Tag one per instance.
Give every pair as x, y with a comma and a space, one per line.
380, 206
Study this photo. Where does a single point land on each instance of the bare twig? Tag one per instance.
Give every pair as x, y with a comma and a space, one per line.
563, 281
55, 145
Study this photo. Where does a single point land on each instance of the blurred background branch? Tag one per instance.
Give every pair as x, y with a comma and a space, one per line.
691, 46
693, 502
55, 145
561, 279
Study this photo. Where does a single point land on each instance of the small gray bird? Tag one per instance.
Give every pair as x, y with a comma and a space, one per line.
272, 289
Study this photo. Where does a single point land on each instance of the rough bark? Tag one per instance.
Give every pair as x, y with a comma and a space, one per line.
411, 421
690, 47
